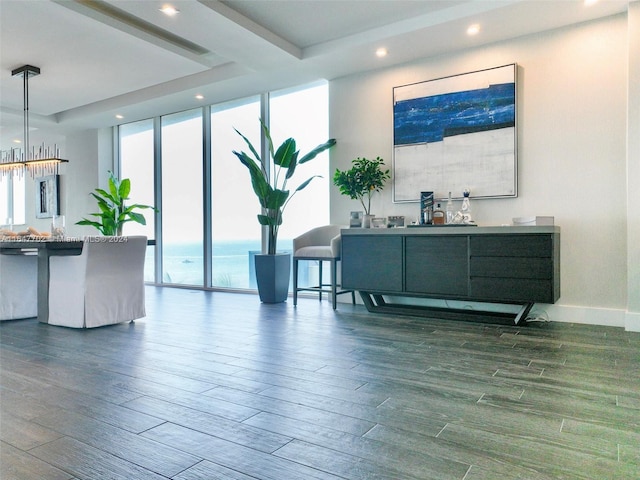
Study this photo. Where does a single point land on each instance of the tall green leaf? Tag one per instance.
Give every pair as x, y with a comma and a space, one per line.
124, 189
285, 153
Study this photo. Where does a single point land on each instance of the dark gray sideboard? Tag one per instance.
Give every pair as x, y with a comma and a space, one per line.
507, 265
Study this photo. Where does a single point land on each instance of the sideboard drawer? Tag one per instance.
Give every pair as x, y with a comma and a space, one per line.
511, 246
512, 289
512, 267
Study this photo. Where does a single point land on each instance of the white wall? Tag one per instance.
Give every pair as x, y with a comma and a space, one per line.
572, 163
90, 155
633, 171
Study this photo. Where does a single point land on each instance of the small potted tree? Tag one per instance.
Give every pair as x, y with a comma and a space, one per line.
361, 181
269, 178
114, 212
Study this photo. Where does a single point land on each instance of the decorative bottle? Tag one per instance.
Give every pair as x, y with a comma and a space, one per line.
450, 210
438, 215
426, 208
466, 208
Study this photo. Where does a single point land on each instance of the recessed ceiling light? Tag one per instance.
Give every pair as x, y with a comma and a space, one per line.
119, 117
17, 140
473, 29
200, 96
381, 52
588, 3
169, 10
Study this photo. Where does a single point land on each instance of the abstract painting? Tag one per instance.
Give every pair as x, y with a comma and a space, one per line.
48, 196
456, 133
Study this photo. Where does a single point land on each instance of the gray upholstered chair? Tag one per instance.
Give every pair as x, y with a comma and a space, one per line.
18, 286
102, 286
321, 244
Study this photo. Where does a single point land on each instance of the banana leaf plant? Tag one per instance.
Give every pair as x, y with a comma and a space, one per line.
114, 212
269, 178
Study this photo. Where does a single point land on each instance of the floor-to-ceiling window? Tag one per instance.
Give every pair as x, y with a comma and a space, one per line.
137, 164
304, 115
12, 200
181, 158
235, 230
182, 199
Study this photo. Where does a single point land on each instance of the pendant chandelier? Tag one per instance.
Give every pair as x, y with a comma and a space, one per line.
37, 162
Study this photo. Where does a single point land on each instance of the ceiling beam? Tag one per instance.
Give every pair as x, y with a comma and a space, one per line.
252, 27
114, 17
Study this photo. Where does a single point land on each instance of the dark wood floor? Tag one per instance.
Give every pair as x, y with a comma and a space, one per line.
219, 386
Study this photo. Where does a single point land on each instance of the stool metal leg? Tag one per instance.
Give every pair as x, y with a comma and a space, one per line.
295, 282
320, 262
334, 288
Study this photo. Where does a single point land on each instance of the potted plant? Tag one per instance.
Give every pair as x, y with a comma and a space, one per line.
269, 179
114, 213
361, 181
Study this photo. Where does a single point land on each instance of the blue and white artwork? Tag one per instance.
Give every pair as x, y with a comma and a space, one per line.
456, 133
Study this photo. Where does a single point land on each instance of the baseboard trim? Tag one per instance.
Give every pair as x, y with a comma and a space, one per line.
632, 322
610, 317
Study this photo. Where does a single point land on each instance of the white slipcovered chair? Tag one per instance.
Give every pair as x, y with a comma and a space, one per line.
321, 244
18, 286
101, 286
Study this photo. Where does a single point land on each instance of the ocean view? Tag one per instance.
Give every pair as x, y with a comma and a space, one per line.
232, 263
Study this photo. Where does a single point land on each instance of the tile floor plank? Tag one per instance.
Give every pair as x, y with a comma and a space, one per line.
206, 470
16, 464
133, 448
24, 434
90, 463
213, 425
234, 456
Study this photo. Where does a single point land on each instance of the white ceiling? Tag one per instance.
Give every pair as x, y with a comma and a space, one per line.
101, 58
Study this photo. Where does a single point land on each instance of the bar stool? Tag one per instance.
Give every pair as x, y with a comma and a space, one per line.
321, 244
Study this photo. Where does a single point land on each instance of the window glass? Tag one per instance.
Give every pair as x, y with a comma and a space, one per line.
12, 200
6, 208
136, 164
235, 228
182, 199
19, 201
304, 115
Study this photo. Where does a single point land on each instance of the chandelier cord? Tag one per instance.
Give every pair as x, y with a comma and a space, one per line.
25, 89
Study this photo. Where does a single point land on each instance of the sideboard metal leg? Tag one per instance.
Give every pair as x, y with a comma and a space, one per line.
524, 311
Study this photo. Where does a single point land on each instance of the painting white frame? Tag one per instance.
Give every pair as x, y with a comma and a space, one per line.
47, 196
